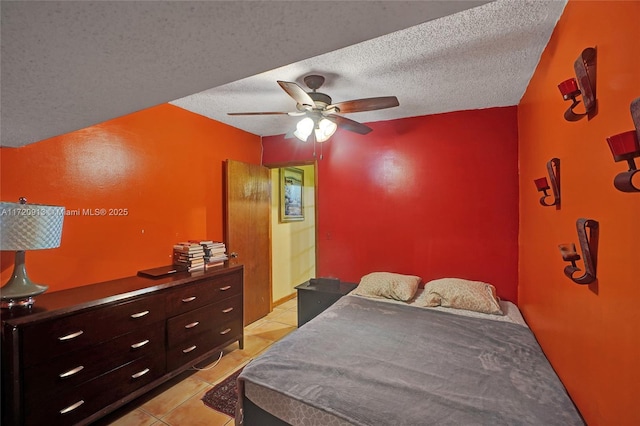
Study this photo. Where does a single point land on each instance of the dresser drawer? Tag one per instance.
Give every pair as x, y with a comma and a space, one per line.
72, 369
227, 309
187, 350
71, 406
202, 293
182, 328
48, 339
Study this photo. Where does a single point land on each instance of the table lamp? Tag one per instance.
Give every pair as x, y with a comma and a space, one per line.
26, 227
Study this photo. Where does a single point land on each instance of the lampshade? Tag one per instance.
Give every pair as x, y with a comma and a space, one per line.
30, 226
326, 129
27, 227
304, 129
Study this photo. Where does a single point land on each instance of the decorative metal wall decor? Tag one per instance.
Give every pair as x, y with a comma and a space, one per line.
589, 247
584, 84
625, 147
553, 169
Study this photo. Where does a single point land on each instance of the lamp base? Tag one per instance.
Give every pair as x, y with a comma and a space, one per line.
23, 303
20, 290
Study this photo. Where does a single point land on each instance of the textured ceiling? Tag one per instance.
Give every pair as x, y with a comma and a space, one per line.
478, 58
69, 65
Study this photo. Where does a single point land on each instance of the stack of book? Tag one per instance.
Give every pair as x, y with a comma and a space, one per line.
188, 256
215, 252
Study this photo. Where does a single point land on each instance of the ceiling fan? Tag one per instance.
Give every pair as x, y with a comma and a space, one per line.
321, 117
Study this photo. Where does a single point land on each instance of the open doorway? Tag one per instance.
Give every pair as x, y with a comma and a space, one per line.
293, 239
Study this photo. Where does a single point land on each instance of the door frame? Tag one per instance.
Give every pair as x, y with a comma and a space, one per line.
313, 163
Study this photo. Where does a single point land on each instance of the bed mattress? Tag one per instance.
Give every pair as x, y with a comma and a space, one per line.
376, 362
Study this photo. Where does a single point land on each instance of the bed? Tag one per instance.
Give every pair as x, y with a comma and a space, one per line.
374, 359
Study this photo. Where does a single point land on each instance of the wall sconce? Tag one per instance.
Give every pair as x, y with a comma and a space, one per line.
589, 246
585, 85
625, 147
553, 169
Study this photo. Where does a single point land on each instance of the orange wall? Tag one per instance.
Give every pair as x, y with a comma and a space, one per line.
163, 164
591, 334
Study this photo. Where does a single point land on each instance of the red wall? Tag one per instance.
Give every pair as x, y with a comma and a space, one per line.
591, 334
163, 164
435, 196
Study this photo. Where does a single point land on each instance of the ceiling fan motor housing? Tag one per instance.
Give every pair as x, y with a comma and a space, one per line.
314, 81
320, 98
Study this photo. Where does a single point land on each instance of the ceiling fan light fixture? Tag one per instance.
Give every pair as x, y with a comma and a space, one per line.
326, 128
304, 129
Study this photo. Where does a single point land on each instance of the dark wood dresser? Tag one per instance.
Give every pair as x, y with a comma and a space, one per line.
79, 354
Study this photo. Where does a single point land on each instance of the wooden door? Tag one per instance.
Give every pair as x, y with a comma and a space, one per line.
247, 232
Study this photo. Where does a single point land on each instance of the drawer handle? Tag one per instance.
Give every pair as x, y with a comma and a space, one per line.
140, 373
71, 407
225, 288
70, 336
226, 311
193, 324
186, 351
189, 299
71, 372
225, 331
139, 344
139, 314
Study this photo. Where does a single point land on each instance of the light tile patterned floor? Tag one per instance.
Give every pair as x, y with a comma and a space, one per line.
178, 402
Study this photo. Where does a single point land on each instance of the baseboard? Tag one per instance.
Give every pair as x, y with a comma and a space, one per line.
284, 299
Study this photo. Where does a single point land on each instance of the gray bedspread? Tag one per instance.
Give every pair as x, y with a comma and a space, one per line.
376, 363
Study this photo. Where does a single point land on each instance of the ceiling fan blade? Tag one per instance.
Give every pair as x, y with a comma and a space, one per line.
297, 93
368, 104
348, 124
260, 113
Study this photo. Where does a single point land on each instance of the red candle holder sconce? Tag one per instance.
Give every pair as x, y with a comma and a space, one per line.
625, 147
584, 84
589, 247
542, 185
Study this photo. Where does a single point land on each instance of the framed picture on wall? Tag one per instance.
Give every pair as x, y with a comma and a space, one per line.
291, 198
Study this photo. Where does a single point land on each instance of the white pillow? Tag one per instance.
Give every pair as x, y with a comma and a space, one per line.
388, 285
462, 294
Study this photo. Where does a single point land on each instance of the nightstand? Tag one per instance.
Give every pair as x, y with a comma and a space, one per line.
313, 299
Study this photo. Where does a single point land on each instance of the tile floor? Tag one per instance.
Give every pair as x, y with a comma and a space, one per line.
178, 402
